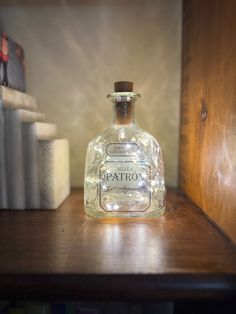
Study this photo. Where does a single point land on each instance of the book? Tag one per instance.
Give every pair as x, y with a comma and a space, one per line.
45, 131
31, 116
31, 133
3, 187
15, 99
58, 308
14, 159
30, 168
20, 142
37, 307
12, 72
54, 172
19, 309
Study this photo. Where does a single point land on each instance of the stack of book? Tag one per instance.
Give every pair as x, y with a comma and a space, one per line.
34, 163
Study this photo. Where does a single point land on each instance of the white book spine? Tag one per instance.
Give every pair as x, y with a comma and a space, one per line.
54, 172
45, 131
31, 116
30, 156
14, 159
14, 99
3, 183
32, 132
22, 158
31, 173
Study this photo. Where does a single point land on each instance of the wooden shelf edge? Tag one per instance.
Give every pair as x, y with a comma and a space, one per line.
173, 287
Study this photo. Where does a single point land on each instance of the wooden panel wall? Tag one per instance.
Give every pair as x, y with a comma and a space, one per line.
208, 112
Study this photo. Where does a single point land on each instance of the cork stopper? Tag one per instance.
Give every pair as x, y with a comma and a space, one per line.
123, 86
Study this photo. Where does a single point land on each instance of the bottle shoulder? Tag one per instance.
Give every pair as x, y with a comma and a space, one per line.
104, 147
124, 134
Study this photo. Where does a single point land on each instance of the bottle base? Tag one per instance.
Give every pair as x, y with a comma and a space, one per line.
93, 213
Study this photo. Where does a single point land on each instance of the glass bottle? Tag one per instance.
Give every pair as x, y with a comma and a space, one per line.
124, 174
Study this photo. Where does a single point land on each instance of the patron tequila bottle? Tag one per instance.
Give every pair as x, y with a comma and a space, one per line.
124, 175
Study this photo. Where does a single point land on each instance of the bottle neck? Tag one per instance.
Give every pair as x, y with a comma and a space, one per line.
123, 113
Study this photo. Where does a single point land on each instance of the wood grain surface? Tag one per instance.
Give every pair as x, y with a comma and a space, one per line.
208, 114
64, 254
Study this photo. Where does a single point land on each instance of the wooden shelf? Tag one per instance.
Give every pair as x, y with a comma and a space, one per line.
64, 254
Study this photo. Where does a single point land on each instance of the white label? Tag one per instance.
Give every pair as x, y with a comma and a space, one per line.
127, 174
122, 149
121, 179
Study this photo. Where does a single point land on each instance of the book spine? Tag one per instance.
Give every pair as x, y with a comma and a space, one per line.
31, 116
46, 175
3, 183
54, 172
46, 131
31, 173
14, 159
17, 100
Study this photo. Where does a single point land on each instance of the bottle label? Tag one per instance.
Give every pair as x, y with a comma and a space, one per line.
122, 149
125, 186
